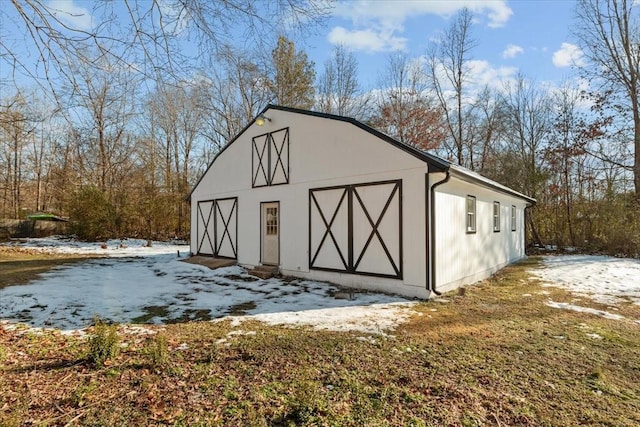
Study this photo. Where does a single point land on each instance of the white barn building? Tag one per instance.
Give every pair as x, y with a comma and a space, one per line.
328, 198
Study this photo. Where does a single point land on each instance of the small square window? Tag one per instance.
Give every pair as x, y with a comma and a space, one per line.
471, 214
513, 218
272, 221
496, 216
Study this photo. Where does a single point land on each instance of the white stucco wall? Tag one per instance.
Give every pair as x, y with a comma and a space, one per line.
323, 153
462, 258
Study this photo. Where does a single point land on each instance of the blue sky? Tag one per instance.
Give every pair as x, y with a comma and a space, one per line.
528, 36
532, 37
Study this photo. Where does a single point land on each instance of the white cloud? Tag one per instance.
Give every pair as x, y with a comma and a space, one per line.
71, 14
379, 23
512, 51
479, 73
569, 54
396, 12
483, 73
367, 40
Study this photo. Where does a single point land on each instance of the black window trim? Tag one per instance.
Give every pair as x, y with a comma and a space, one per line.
474, 229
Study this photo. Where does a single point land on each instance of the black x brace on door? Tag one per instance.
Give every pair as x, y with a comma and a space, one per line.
220, 216
357, 229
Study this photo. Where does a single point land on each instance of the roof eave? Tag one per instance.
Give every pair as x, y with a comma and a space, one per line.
460, 174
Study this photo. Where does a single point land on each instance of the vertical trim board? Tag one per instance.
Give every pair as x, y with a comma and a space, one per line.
226, 215
205, 227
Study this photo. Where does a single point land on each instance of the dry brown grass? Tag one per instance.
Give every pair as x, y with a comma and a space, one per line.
20, 265
492, 357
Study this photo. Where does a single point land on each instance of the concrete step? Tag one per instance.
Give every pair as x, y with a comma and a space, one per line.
264, 271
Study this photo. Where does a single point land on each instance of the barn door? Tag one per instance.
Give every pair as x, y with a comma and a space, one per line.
377, 226
205, 228
329, 228
226, 228
357, 229
270, 226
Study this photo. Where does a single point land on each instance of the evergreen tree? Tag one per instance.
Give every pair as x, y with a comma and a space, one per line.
291, 84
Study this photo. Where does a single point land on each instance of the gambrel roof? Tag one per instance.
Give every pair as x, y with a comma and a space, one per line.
435, 163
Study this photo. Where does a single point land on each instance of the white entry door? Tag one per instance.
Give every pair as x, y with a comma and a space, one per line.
270, 218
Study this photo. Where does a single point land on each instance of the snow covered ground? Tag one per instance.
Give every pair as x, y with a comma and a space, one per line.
136, 283
606, 280
150, 284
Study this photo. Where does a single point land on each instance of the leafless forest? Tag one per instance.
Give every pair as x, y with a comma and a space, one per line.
112, 124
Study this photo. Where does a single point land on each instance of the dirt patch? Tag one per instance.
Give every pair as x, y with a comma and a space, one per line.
159, 311
210, 262
19, 266
241, 309
238, 278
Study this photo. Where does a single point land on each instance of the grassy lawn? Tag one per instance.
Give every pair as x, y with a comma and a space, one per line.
19, 266
495, 356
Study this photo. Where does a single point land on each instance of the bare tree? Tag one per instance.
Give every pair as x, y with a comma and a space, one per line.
449, 74
146, 36
608, 32
178, 119
405, 110
527, 115
17, 127
338, 88
568, 138
488, 128
232, 96
102, 104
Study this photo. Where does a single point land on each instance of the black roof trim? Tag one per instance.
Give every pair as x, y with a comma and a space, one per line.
435, 163
188, 198
476, 178
438, 164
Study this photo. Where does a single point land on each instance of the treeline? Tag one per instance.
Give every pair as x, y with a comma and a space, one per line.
118, 152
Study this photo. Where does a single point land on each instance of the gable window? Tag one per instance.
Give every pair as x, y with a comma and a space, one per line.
471, 214
513, 218
496, 216
270, 159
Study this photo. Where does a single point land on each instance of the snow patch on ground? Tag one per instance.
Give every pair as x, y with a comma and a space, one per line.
110, 248
607, 280
567, 306
137, 283
372, 318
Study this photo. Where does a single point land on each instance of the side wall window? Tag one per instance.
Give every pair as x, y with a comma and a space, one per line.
496, 216
513, 218
471, 214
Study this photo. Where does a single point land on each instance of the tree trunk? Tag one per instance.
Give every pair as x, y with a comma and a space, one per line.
534, 231
636, 148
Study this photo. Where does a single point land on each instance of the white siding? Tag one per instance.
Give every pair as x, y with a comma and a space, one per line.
461, 257
322, 153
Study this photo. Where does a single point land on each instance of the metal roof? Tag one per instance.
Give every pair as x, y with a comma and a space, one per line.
435, 163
